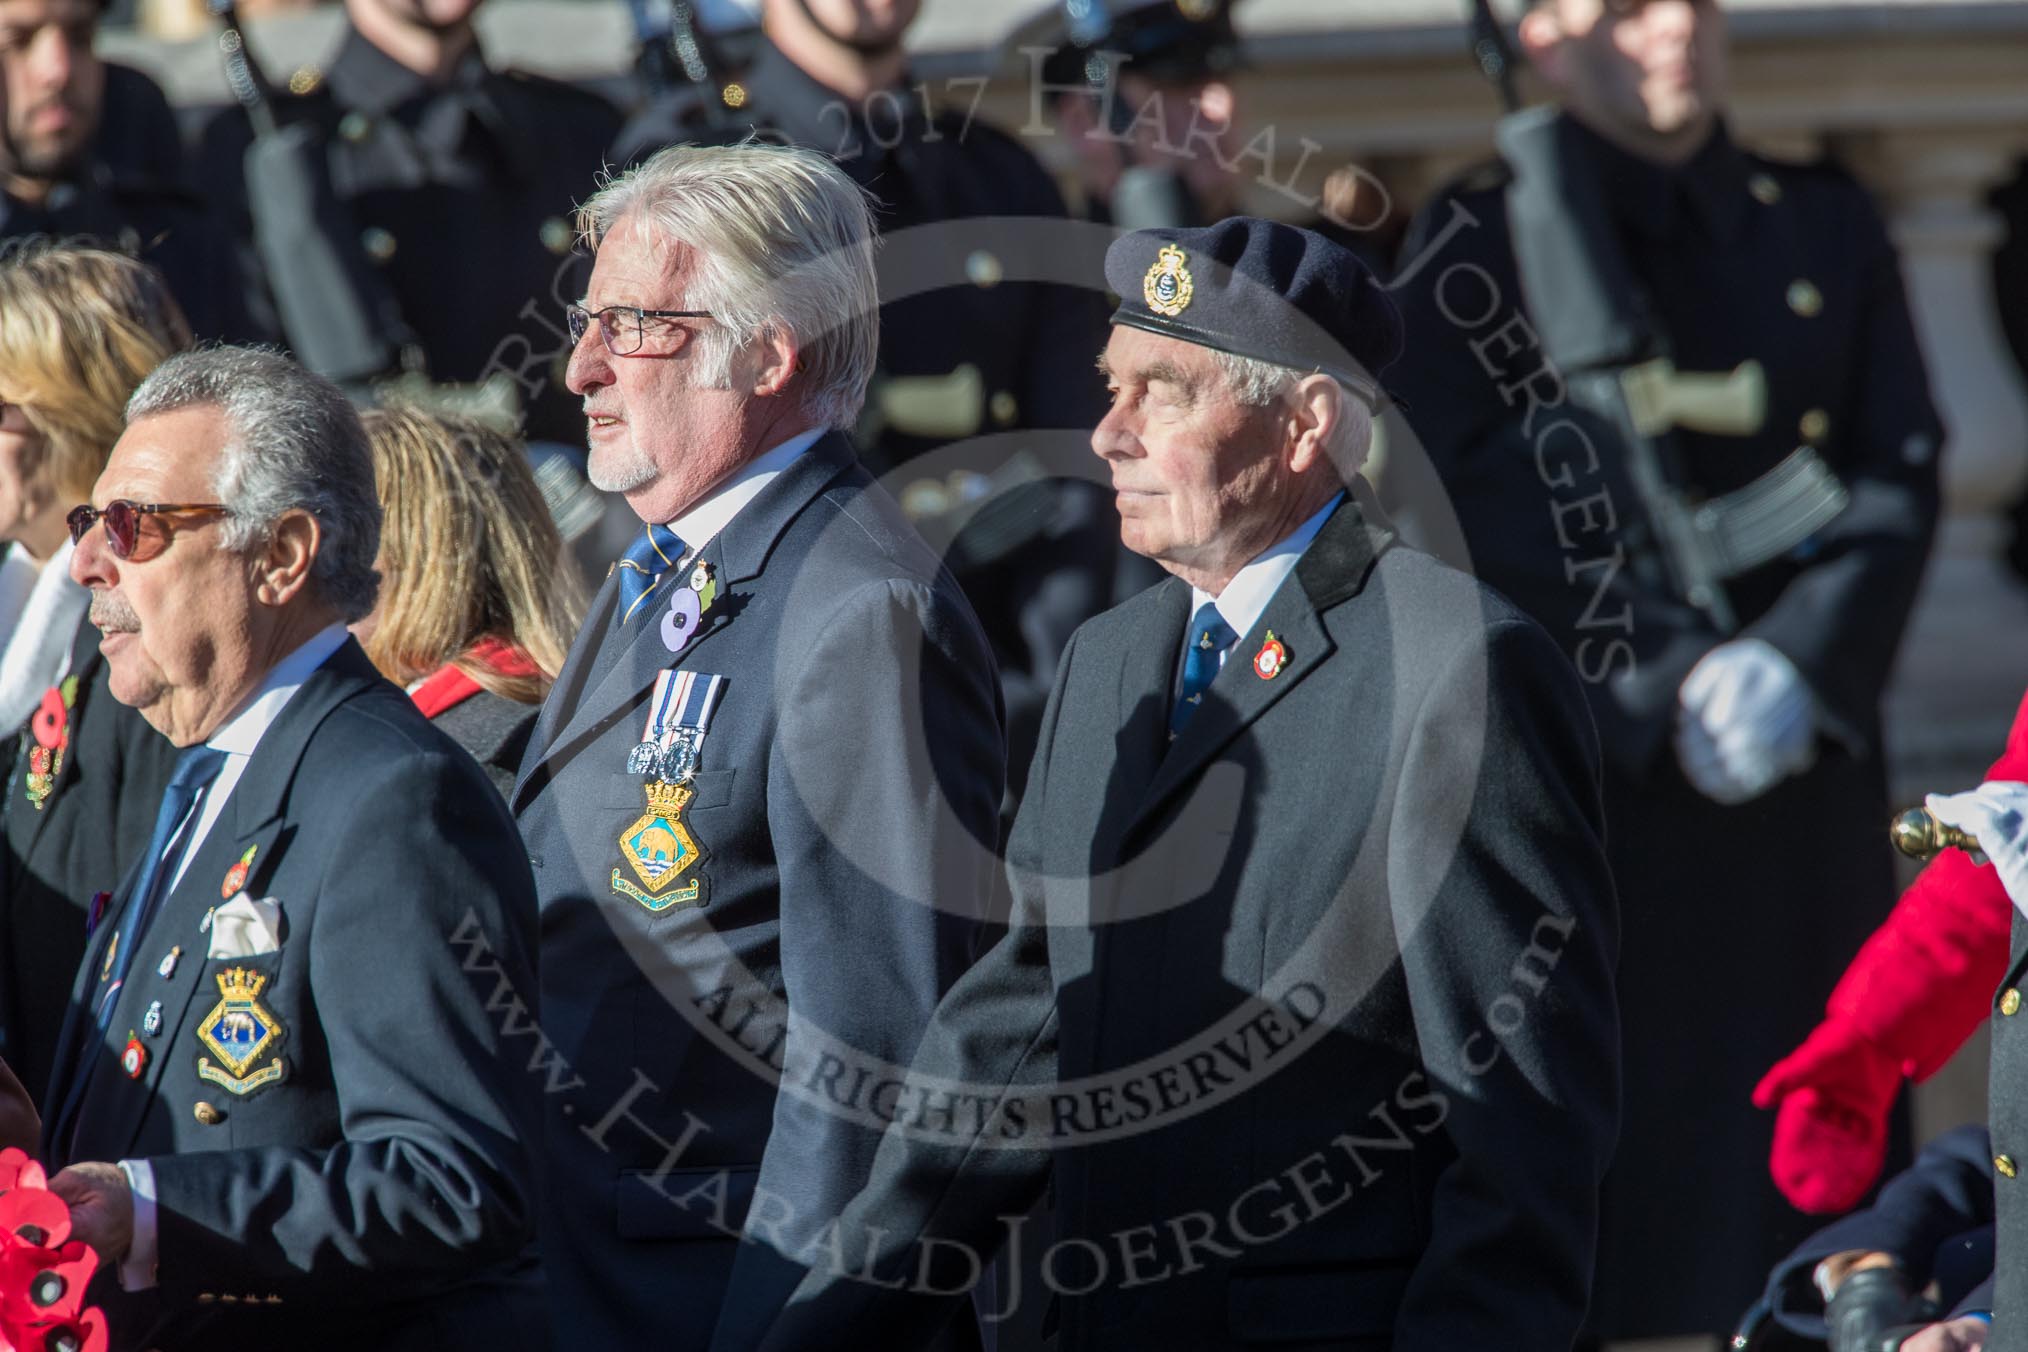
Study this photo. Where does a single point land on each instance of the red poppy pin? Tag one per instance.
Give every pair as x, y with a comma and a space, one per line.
235, 877
1272, 657
134, 1059
50, 727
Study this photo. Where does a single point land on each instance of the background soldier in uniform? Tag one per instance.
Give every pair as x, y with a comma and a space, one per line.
89, 149
1674, 397
976, 355
446, 187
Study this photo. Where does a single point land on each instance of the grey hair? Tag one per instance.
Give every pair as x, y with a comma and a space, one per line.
1258, 384
783, 241
292, 442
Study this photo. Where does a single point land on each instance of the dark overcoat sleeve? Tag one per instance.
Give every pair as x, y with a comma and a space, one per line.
1946, 1192
1511, 986
997, 1026
883, 805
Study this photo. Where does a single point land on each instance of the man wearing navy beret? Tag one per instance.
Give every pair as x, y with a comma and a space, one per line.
1306, 1013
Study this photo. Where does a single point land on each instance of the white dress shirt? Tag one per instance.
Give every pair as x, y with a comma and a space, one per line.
236, 737
1252, 587
702, 523
39, 610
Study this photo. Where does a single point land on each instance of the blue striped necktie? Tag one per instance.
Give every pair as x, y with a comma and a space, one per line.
641, 567
1208, 638
195, 769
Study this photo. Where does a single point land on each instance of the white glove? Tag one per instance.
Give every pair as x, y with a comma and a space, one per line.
1996, 815
1744, 722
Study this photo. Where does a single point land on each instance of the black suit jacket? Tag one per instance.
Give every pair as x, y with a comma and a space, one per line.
379, 1192
845, 805
83, 839
1311, 1009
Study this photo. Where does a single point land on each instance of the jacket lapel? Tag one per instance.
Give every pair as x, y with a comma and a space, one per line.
1335, 566
739, 553
569, 685
1149, 653
71, 1061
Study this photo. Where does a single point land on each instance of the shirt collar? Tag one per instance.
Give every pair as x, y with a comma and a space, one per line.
1253, 586
698, 526
241, 733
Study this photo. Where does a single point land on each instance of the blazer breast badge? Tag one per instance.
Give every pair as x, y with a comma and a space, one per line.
238, 1031
659, 849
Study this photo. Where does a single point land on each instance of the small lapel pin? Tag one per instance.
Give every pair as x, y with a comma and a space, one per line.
168, 967
151, 1022
1272, 657
680, 624
235, 877
704, 581
135, 1058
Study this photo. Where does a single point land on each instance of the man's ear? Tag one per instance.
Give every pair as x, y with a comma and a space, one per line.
774, 357
1311, 421
282, 569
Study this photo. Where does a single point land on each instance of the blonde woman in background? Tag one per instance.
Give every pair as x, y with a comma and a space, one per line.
79, 328
477, 603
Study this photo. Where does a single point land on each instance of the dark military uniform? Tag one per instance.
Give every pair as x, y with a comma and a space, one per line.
2008, 1095
966, 350
130, 195
462, 195
1738, 919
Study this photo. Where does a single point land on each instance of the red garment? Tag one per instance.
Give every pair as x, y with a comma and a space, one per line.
448, 685
1917, 989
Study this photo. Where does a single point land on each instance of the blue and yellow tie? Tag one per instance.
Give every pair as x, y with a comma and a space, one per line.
1209, 637
642, 566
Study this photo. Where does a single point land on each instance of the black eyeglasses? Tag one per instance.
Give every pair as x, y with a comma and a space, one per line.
123, 520
622, 326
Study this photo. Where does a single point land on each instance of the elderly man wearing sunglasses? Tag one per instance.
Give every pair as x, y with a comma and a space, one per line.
318, 1133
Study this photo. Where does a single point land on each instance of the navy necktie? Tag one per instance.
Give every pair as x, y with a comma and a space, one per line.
195, 769
1209, 636
642, 566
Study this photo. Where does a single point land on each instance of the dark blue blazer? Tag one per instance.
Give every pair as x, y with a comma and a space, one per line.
844, 807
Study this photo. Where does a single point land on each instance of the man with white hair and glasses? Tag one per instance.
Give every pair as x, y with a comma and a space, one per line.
761, 798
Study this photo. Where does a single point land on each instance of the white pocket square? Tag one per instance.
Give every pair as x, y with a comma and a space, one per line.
246, 927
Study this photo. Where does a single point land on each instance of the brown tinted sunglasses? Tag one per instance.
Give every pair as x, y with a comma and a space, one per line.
123, 520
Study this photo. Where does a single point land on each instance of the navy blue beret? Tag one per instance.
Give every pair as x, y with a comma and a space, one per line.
1260, 289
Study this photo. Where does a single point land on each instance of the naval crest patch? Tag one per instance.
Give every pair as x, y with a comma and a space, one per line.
238, 1031
1168, 286
659, 849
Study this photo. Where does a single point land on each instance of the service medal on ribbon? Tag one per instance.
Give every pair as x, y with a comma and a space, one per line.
238, 1031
